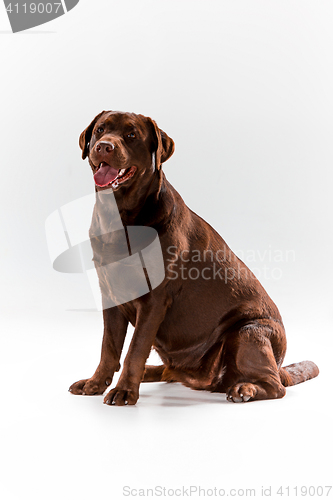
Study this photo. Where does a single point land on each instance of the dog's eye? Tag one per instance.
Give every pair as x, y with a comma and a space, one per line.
100, 130
131, 135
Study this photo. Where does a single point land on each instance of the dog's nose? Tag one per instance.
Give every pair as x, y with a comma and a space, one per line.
104, 147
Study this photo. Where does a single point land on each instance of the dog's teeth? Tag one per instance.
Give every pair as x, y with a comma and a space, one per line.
122, 171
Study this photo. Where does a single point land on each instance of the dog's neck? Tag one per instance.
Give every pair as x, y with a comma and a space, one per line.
153, 207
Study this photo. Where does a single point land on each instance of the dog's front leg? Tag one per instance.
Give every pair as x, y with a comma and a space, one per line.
115, 327
149, 317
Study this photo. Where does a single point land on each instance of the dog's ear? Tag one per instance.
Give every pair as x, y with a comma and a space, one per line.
86, 136
162, 144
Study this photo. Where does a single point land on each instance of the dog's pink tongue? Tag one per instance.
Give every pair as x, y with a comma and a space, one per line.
105, 174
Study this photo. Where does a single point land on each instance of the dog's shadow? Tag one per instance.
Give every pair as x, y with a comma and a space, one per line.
176, 395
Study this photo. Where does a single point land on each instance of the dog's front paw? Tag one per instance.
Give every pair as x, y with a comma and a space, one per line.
90, 386
120, 396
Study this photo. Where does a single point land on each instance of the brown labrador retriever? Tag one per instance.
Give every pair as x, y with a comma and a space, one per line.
210, 320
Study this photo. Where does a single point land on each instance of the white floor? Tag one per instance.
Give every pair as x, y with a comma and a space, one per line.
56, 445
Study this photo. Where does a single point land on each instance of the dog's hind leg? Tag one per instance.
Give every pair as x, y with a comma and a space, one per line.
158, 374
153, 373
251, 369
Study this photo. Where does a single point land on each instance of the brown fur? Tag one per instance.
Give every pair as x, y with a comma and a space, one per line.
223, 334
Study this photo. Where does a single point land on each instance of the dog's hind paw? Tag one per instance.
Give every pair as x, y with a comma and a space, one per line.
241, 393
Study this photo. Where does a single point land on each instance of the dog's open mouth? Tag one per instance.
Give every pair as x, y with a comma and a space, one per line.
107, 175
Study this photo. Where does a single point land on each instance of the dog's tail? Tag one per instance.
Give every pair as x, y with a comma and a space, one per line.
298, 372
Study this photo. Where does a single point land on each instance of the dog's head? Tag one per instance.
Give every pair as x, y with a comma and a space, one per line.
125, 150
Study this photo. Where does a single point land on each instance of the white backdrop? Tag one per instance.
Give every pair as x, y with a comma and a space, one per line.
245, 90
